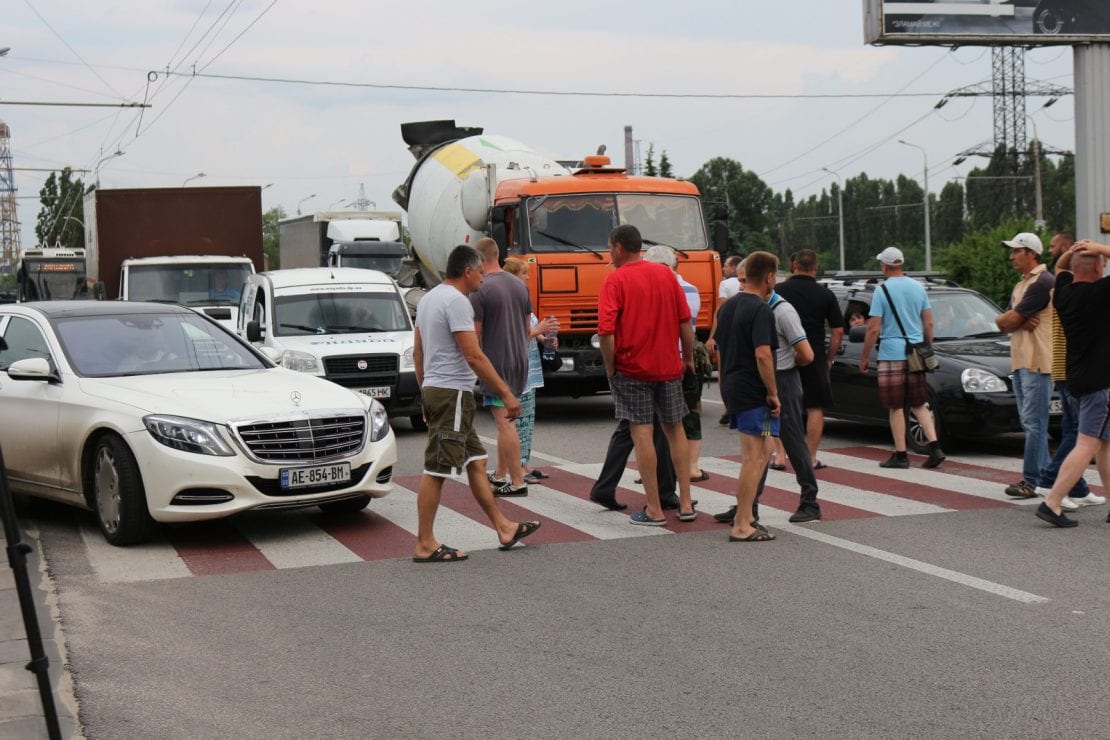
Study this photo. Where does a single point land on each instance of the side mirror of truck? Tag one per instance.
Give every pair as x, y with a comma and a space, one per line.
498, 231
254, 332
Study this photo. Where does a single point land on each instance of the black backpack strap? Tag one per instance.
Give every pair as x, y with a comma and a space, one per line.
894, 311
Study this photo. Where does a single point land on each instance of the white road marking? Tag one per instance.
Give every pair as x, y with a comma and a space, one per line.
150, 561
963, 579
452, 528
294, 542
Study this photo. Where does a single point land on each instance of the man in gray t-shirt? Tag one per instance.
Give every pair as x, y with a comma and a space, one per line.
448, 358
502, 320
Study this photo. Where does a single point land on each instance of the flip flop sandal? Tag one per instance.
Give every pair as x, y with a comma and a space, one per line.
641, 518
687, 516
819, 465
759, 535
522, 530
442, 554
702, 475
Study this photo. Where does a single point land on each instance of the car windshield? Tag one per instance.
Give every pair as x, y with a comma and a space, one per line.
199, 284
339, 313
959, 314
150, 344
387, 263
53, 280
559, 222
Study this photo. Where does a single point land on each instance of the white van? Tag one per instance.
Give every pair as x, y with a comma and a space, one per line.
348, 325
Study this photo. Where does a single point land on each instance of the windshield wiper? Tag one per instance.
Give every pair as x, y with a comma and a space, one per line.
569, 243
984, 334
354, 329
302, 327
652, 243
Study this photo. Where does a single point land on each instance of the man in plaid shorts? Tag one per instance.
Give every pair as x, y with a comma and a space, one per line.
641, 317
899, 388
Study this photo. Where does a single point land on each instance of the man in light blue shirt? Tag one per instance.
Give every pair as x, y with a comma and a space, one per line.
908, 321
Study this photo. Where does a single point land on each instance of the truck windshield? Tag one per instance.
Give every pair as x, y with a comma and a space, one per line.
193, 284
559, 222
54, 280
339, 313
388, 264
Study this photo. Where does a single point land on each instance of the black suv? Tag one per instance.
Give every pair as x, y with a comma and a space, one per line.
971, 394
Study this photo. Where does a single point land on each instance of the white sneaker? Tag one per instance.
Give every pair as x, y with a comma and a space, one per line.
1068, 504
1042, 491
1089, 500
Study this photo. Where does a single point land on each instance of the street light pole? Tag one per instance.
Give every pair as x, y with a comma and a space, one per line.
928, 241
96, 170
194, 177
839, 211
302, 200
1039, 218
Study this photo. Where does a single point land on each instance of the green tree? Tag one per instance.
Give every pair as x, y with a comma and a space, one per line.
665, 169
270, 239
749, 199
979, 260
60, 221
649, 162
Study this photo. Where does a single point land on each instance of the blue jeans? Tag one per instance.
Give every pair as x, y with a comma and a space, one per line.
1033, 391
1069, 432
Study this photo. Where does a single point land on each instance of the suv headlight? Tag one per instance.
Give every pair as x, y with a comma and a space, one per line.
975, 380
379, 421
302, 362
188, 435
407, 362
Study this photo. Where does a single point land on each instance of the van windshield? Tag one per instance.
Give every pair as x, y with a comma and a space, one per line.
199, 284
339, 313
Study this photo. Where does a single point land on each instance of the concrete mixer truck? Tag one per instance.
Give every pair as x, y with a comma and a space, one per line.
466, 185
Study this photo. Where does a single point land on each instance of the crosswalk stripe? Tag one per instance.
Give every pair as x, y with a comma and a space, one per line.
852, 487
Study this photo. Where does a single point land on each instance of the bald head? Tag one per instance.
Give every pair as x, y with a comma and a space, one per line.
488, 249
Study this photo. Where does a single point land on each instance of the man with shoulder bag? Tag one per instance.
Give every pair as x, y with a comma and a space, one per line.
902, 322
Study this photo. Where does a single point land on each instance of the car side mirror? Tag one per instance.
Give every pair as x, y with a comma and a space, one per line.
33, 368
254, 332
857, 333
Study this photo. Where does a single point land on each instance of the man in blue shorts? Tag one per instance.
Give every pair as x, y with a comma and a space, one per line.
1082, 302
747, 340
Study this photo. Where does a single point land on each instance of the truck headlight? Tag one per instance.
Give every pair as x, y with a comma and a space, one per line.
407, 362
302, 362
567, 366
975, 380
379, 421
188, 435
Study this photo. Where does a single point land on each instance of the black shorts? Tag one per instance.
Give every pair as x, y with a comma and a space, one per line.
816, 391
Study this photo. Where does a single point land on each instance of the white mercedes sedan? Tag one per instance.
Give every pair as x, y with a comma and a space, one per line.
146, 413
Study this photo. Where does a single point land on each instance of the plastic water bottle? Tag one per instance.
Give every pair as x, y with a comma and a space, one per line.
549, 339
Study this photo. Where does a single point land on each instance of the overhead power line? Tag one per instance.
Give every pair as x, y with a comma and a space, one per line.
525, 91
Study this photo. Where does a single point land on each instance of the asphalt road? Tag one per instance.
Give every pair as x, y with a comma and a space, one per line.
971, 621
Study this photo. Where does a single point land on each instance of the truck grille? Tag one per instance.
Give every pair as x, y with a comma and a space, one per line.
310, 439
349, 365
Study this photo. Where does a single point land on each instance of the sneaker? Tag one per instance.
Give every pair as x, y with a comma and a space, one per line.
1089, 500
896, 461
805, 515
1057, 520
725, 517
494, 481
1042, 491
506, 489
723, 421
1021, 489
1069, 504
936, 457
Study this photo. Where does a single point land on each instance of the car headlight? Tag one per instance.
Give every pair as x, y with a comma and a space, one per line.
379, 421
302, 362
407, 363
975, 380
188, 435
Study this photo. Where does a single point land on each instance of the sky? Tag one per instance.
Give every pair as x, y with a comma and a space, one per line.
315, 146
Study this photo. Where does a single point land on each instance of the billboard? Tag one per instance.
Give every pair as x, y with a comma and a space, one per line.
987, 22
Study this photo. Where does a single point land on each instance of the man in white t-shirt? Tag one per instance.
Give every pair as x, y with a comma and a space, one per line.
730, 286
448, 359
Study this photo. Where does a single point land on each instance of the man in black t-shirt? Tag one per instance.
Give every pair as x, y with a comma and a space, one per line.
816, 306
1082, 302
747, 340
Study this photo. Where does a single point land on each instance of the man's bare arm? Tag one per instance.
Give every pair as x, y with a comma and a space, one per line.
765, 361
418, 357
609, 354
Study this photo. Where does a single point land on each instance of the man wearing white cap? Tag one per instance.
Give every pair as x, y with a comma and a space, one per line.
901, 316
1028, 318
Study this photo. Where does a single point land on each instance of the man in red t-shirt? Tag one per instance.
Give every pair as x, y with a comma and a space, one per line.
642, 315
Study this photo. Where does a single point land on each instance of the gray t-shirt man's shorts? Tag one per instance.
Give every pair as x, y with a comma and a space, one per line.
447, 394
